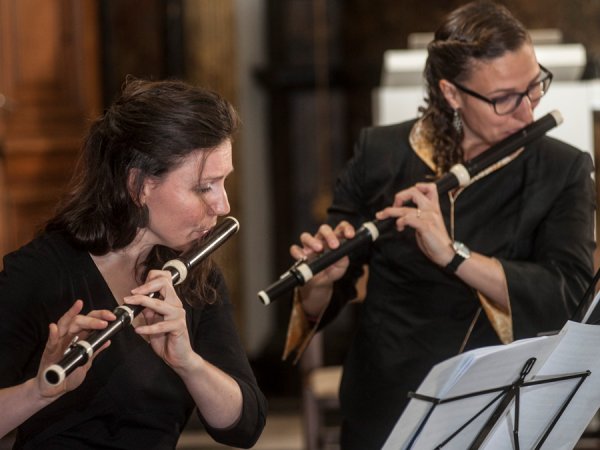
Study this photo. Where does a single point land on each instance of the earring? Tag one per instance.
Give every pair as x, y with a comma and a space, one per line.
457, 121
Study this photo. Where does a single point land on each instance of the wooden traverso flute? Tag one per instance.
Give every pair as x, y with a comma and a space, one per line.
79, 353
458, 176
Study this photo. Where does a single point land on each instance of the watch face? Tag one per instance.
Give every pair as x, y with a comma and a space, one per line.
461, 249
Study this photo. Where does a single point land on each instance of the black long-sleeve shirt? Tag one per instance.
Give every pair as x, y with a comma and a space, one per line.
130, 399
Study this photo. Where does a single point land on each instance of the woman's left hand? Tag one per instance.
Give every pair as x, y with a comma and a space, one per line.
165, 325
425, 217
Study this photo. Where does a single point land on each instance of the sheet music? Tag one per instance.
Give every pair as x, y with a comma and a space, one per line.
575, 349
476, 370
578, 351
591, 309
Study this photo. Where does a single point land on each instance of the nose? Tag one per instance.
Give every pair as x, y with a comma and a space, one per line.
219, 206
524, 111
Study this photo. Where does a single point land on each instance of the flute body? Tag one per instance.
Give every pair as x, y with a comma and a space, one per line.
81, 351
459, 176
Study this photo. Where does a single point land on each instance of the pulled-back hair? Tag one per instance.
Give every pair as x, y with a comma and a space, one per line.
149, 129
477, 31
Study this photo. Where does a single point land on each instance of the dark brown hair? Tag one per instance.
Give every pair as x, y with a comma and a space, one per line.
151, 127
481, 30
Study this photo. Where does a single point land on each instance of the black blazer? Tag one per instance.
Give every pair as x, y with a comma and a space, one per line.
535, 215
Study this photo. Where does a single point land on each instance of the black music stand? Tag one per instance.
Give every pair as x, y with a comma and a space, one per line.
540, 401
504, 400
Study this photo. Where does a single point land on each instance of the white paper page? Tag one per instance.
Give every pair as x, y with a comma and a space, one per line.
578, 351
533, 420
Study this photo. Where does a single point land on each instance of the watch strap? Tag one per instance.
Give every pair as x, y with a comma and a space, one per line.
452, 266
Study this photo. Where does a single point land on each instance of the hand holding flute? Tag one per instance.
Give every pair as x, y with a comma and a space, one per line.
416, 207
36, 393
318, 291
164, 319
164, 326
71, 326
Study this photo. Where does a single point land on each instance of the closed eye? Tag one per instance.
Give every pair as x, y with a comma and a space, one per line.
204, 189
505, 99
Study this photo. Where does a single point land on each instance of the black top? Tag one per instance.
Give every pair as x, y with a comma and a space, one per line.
130, 399
535, 215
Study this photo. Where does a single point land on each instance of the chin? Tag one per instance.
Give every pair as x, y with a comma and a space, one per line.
194, 238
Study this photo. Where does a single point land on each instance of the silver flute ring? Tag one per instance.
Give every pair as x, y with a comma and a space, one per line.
72, 344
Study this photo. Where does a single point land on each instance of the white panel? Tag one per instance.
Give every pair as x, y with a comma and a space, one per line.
572, 99
405, 67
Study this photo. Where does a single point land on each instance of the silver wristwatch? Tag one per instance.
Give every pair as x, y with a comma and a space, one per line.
461, 253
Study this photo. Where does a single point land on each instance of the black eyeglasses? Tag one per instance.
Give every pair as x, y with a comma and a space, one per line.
508, 103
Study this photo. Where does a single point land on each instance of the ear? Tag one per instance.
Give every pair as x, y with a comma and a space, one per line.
451, 94
133, 182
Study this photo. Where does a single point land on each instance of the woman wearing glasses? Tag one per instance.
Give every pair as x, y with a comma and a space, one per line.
504, 258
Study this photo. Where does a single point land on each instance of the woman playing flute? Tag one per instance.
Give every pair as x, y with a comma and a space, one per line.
151, 181
503, 258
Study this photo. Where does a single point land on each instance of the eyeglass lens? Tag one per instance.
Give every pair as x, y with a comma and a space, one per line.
509, 103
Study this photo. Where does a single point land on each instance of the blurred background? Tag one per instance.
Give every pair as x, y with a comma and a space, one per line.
302, 73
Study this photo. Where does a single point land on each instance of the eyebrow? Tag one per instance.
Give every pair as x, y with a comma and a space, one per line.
215, 178
514, 91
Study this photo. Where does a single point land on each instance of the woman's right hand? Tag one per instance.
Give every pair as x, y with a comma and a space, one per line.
60, 336
29, 397
324, 239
